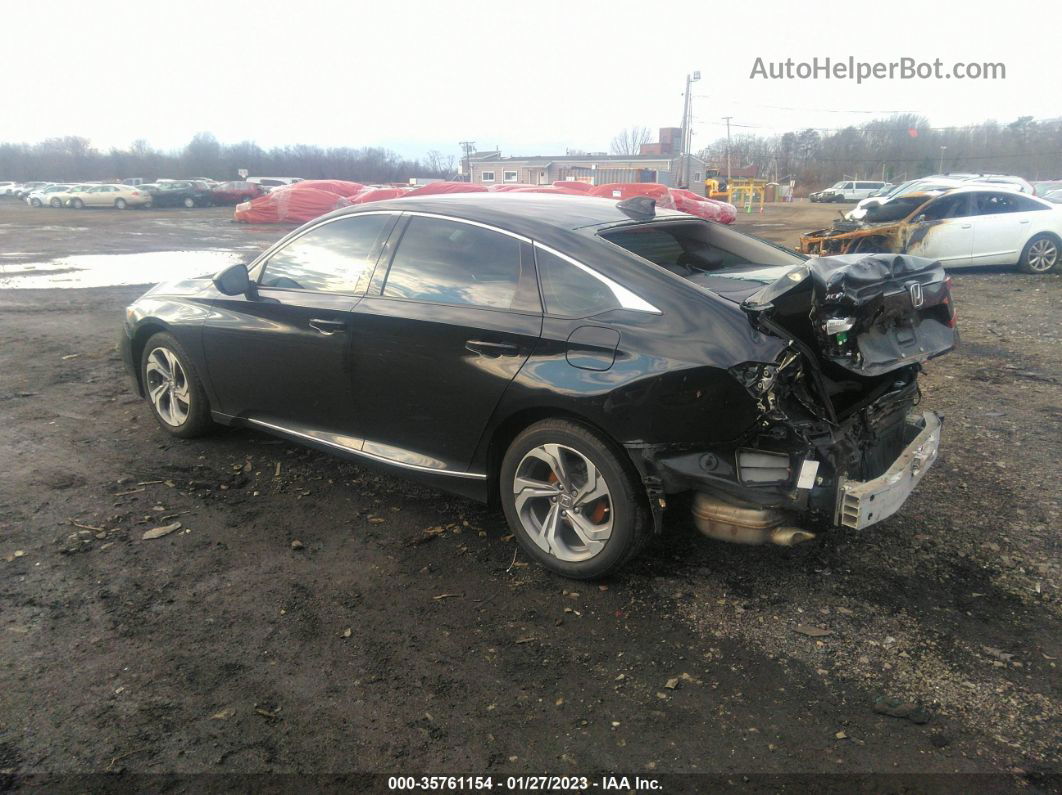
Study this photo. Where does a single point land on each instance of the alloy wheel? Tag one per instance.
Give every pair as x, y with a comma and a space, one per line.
563, 502
167, 386
1043, 254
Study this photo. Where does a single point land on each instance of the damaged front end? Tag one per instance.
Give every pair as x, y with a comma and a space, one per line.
852, 237
837, 440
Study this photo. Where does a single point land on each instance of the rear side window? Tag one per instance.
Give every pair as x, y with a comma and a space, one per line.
448, 262
999, 203
335, 257
569, 291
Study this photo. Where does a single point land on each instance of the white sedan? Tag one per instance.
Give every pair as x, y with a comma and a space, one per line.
965, 226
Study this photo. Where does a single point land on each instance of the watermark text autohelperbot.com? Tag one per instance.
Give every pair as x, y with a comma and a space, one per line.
852, 69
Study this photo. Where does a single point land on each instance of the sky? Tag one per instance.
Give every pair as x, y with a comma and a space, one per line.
526, 77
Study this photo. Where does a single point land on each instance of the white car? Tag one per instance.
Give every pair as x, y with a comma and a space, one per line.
42, 197
971, 225
6, 188
273, 182
851, 190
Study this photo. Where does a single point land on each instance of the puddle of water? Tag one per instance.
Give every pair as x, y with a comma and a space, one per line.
113, 270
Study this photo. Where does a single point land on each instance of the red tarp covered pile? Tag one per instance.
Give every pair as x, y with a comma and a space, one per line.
309, 199
689, 202
377, 195
291, 205
433, 188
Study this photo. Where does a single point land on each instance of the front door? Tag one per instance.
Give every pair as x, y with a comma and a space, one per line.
441, 334
283, 354
942, 230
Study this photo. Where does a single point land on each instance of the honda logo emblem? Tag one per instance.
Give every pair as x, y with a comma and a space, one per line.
916, 295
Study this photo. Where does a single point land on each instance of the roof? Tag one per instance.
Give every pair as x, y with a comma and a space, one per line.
534, 215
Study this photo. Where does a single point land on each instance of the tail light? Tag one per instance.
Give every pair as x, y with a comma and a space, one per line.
949, 303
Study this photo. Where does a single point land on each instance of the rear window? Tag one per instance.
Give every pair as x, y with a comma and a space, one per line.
687, 248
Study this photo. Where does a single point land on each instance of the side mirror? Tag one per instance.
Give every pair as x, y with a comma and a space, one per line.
234, 281
920, 219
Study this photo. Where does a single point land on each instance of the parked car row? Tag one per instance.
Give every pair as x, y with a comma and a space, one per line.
163, 193
862, 191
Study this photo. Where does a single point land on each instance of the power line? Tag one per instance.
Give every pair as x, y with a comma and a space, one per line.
792, 107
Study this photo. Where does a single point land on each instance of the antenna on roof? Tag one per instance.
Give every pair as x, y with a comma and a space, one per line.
638, 207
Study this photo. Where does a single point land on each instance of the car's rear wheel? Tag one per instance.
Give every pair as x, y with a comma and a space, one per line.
572, 499
77, 204
173, 388
189, 202
120, 204
1040, 254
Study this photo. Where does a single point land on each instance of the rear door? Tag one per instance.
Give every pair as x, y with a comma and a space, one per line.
1001, 226
283, 355
448, 322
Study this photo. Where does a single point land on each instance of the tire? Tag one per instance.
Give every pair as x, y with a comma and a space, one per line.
180, 405
77, 204
615, 525
1040, 255
120, 204
35, 203
189, 202
56, 203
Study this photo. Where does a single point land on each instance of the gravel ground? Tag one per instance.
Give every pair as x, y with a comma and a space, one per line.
314, 616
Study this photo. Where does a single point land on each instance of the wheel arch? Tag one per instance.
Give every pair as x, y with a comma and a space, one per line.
145, 331
504, 432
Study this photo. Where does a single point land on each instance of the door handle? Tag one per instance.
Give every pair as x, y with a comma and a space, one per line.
491, 348
327, 327
966, 226
1023, 221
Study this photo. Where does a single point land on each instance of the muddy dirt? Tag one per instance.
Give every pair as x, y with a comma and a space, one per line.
314, 616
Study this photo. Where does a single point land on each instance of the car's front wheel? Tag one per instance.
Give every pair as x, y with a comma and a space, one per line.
173, 388
35, 202
120, 204
57, 203
573, 500
189, 202
1040, 254
77, 204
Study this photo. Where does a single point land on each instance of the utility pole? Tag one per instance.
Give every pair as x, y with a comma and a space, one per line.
468, 146
687, 131
727, 120
940, 166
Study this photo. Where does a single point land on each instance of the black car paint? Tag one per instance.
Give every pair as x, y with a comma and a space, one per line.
404, 380
175, 193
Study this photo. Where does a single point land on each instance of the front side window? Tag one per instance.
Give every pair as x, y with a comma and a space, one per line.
448, 262
947, 207
569, 291
335, 257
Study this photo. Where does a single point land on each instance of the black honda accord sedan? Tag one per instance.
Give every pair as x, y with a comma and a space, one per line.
574, 360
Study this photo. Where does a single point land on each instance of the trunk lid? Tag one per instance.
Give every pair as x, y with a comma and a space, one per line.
866, 313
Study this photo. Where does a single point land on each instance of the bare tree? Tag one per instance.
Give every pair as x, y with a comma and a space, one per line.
440, 165
629, 141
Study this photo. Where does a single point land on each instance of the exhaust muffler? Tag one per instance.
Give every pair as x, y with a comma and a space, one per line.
742, 523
